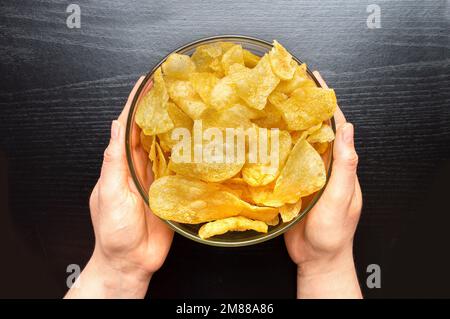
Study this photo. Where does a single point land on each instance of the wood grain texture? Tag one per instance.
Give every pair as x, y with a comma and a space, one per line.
62, 87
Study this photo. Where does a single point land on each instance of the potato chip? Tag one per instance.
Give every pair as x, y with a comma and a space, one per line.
225, 225
289, 211
323, 134
179, 119
297, 135
274, 221
258, 174
178, 66
248, 112
255, 85
159, 164
321, 148
272, 118
208, 169
307, 107
208, 172
206, 55
250, 59
303, 174
228, 118
264, 196
188, 200
146, 141
240, 186
234, 55
277, 98
281, 61
151, 114
226, 46
213, 168
203, 83
224, 94
299, 79
184, 95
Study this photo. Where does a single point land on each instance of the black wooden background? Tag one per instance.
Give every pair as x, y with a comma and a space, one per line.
61, 88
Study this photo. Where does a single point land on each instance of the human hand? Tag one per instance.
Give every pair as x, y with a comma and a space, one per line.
322, 243
130, 242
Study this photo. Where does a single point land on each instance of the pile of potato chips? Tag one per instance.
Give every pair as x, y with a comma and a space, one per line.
226, 86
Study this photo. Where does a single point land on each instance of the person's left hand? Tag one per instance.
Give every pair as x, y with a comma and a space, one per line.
130, 242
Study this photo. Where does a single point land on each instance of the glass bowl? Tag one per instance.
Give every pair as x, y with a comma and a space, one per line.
140, 173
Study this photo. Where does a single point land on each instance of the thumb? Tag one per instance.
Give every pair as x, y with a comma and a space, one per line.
114, 169
341, 185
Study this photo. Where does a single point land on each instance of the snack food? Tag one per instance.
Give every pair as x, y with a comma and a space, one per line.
273, 110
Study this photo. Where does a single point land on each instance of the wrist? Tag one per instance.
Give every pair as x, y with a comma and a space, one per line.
328, 277
328, 264
115, 278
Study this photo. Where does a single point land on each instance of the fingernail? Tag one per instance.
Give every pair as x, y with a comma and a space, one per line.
347, 133
115, 129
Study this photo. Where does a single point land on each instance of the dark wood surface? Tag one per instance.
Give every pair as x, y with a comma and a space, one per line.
61, 88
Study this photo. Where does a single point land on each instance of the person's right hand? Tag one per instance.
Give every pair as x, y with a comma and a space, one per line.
322, 244
130, 242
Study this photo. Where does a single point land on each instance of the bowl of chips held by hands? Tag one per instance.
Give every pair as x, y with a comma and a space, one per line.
229, 140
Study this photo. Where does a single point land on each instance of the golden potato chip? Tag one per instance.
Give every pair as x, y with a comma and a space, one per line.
307, 107
240, 187
224, 94
203, 83
159, 164
277, 98
184, 95
258, 174
146, 141
323, 134
255, 85
264, 196
206, 55
289, 211
151, 114
250, 59
248, 112
281, 61
178, 66
321, 148
225, 225
274, 221
303, 174
234, 55
272, 118
210, 166
297, 135
179, 119
299, 79
208, 172
226, 46
223, 119
314, 128
188, 200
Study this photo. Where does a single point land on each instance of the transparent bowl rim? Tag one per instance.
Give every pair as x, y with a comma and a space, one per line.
143, 193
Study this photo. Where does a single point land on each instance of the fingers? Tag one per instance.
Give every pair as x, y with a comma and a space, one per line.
338, 115
341, 186
114, 169
114, 172
123, 115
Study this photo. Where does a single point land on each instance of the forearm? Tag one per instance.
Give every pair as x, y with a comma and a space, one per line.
329, 279
98, 280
